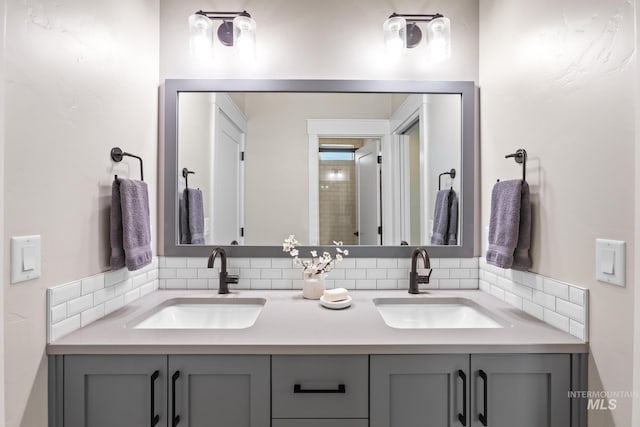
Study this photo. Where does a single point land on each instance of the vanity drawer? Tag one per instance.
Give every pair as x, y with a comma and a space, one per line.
320, 386
320, 423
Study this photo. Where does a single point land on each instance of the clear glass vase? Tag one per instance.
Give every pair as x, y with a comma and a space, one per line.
313, 285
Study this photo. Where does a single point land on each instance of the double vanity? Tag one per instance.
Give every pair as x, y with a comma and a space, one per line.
272, 358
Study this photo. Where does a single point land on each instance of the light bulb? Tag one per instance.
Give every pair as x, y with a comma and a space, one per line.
244, 37
200, 36
395, 36
439, 39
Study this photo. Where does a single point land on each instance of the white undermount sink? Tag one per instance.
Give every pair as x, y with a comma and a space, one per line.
433, 313
203, 313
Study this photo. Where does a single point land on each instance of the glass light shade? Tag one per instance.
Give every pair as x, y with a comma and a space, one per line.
395, 36
200, 36
439, 39
244, 36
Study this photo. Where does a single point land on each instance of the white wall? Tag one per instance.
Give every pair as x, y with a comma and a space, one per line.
81, 77
557, 79
3, 8
195, 133
277, 172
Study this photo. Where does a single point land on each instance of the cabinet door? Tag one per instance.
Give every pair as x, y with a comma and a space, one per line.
521, 390
225, 391
107, 391
420, 390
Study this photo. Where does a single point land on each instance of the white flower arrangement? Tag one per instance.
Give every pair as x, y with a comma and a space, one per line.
317, 264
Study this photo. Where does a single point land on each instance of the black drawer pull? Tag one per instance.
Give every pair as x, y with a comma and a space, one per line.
175, 418
463, 416
297, 388
154, 417
485, 381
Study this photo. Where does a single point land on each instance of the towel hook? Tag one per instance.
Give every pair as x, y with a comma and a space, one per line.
185, 175
520, 156
117, 154
451, 173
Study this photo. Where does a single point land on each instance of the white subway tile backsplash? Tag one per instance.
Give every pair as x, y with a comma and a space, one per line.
440, 273
533, 309
92, 284
376, 273
200, 262
79, 304
387, 263
513, 299
260, 262
282, 263
208, 273
336, 274
271, 273
557, 320
197, 283
449, 283
347, 263
175, 262
58, 313
367, 263
577, 329
239, 262
347, 284
545, 300
459, 273
574, 311
65, 293
549, 300
91, 315
449, 263
365, 284
577, 296
148, 288
556, 288
469, 263
260, 284
139, 280
357, 274
497, 292
387, 284
168, 273
292, 273
397, 273
102, 295
64, 327
281, 284
249, 273
115, 276
113, 304
186, 273
468, 283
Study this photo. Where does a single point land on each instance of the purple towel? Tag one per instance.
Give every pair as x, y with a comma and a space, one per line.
130, 225
452, 233
192, 217
441, 218
521, 258
504, 224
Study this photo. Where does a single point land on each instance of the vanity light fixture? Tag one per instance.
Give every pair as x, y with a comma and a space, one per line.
401, 32
238, 29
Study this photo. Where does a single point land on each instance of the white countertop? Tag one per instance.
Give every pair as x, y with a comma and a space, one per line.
289, 324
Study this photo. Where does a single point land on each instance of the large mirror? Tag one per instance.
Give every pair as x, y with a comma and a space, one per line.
381, 166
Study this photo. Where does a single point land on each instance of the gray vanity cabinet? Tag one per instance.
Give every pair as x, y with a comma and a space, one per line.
107, 391
419, 390
502, 390
520, 390
225, 391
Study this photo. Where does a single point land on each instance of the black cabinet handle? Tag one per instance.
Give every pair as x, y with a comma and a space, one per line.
175, 420
154, 417
484, 416
463, 416
297, 388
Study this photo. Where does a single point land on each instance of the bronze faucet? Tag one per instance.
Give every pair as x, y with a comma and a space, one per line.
225, 278
414, 278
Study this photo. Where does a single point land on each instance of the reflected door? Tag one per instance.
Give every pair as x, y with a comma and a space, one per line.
368, 195
227, 181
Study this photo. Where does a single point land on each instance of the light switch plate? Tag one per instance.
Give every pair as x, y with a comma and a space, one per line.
610, 261
25, 258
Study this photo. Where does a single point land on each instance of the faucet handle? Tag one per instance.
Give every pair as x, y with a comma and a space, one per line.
232, 279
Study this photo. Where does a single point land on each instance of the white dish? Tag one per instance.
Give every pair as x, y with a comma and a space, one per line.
336, 305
